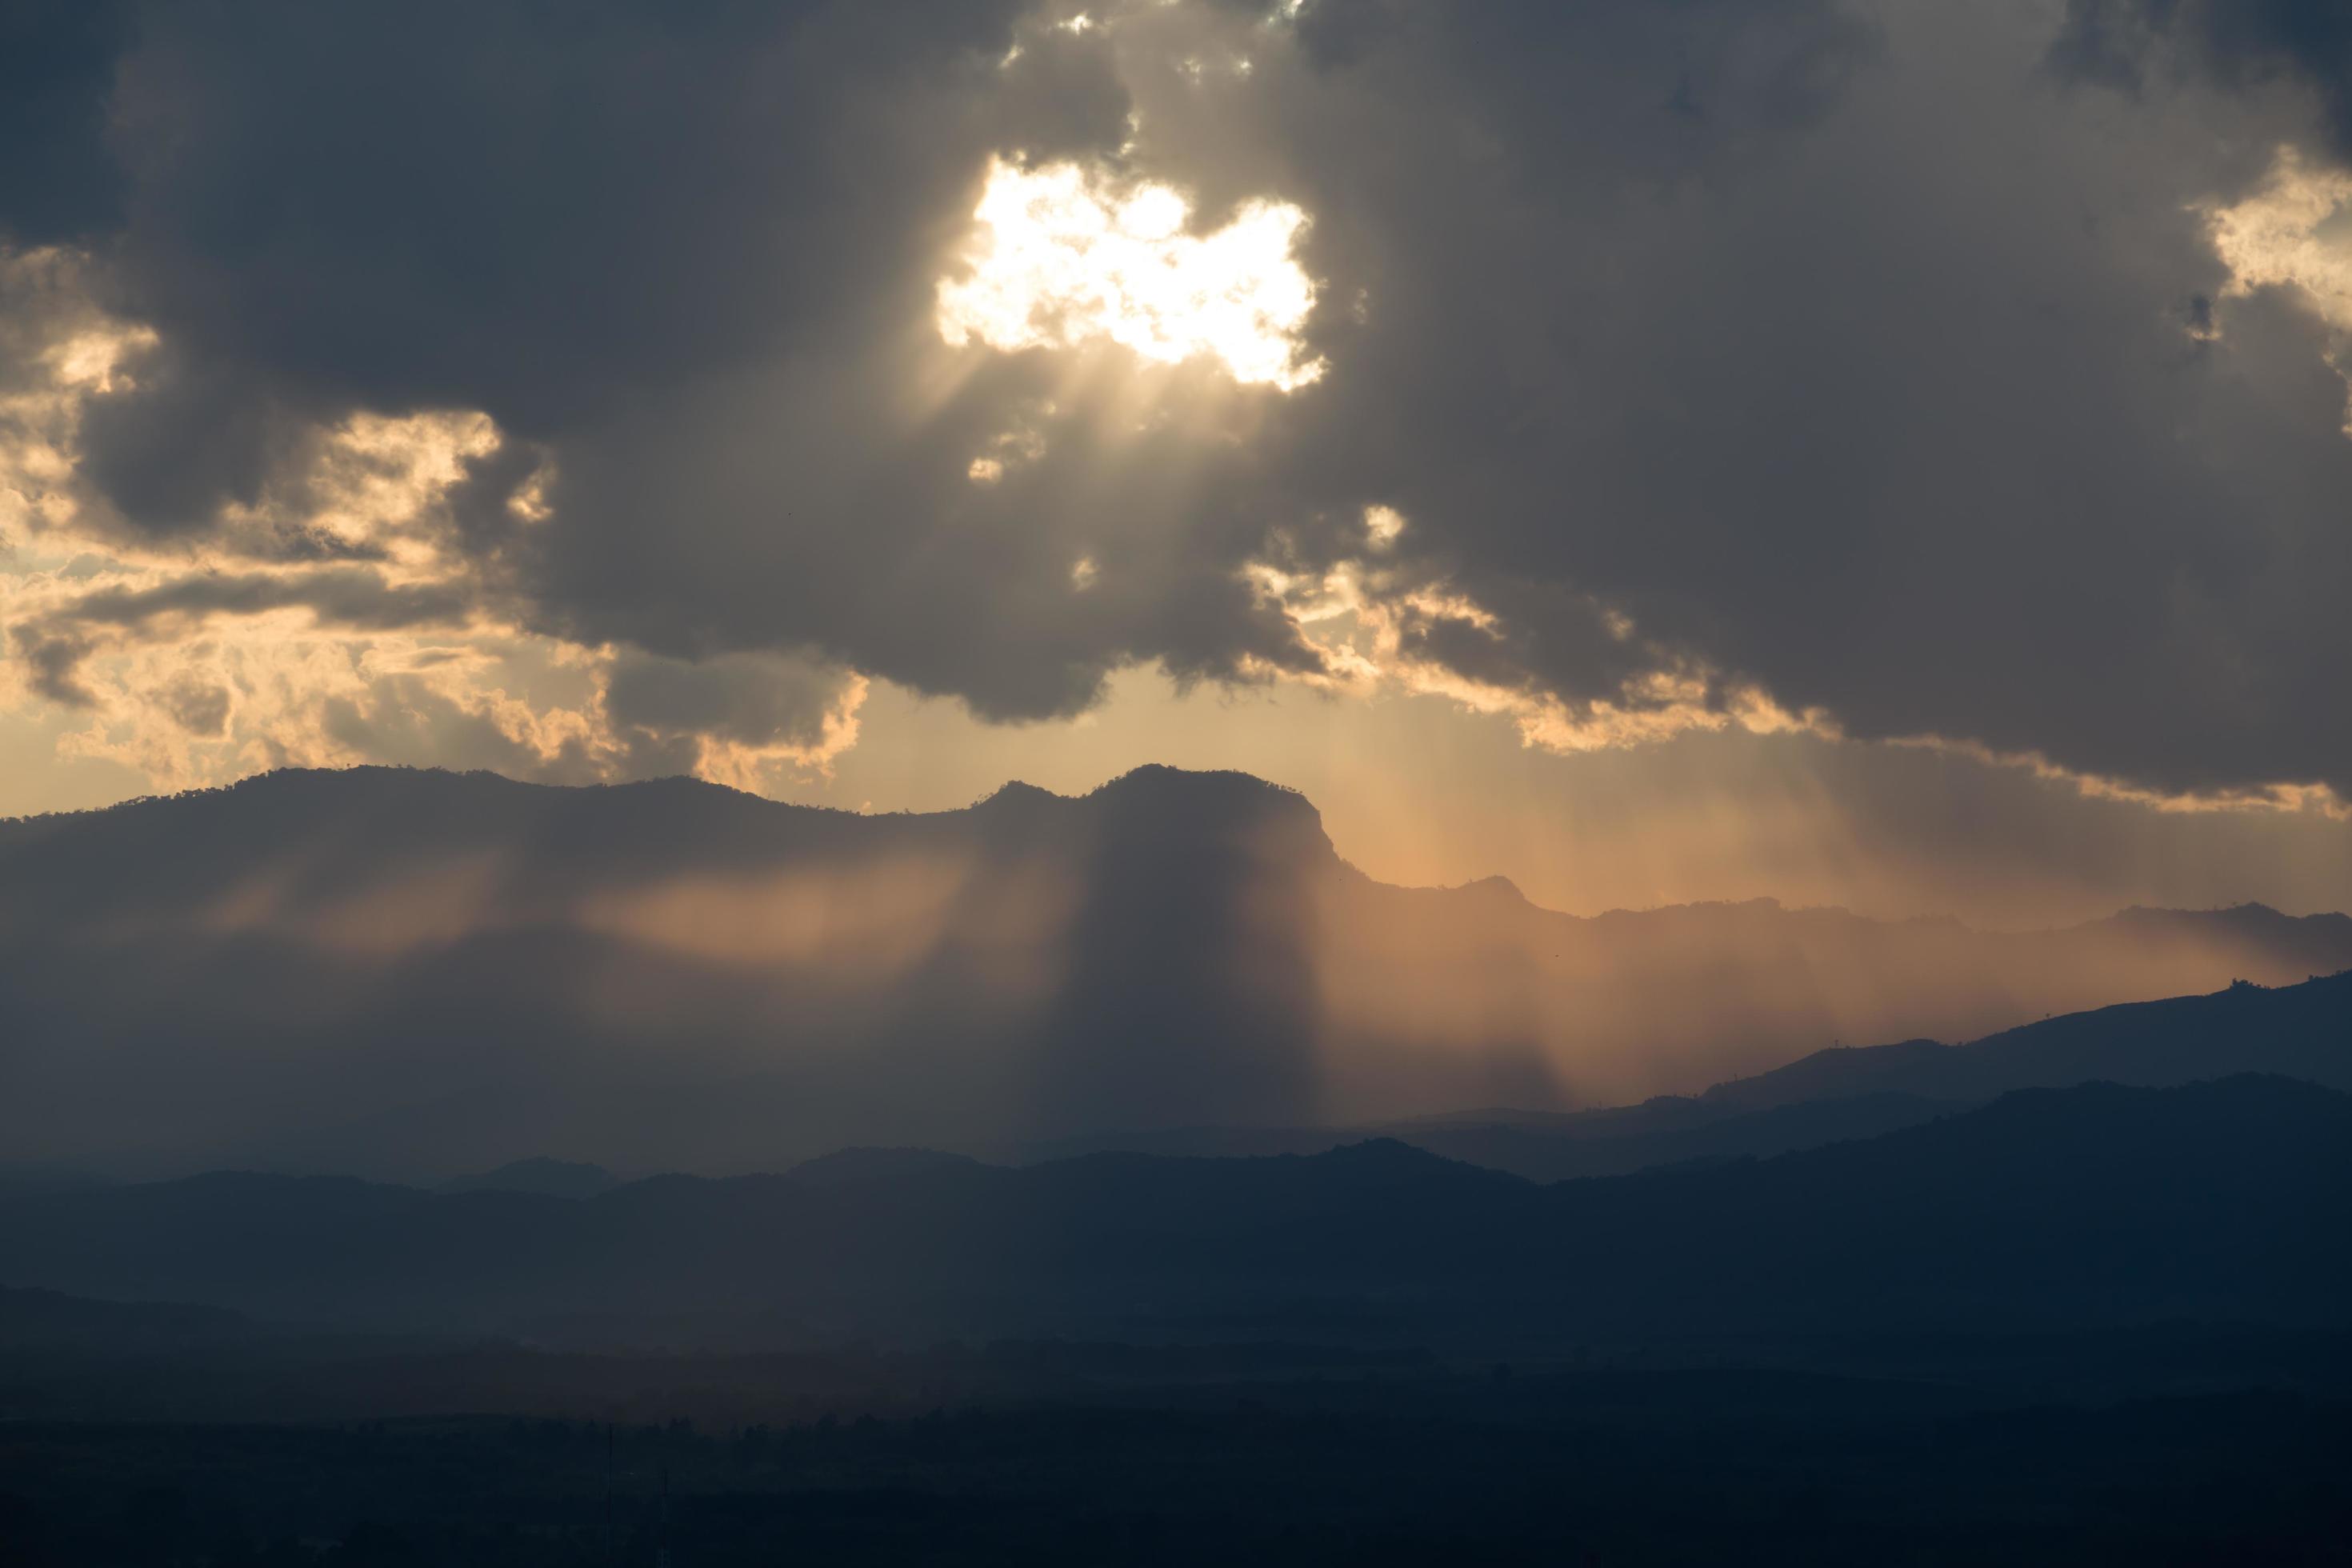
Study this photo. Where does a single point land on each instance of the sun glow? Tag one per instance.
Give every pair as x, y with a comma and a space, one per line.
1057, 259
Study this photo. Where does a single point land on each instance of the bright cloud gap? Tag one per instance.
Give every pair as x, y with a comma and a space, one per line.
1061, 255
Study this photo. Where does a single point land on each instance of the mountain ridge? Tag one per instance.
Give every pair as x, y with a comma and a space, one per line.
420, 974
1015, 793
2094, 1203
2302, 1031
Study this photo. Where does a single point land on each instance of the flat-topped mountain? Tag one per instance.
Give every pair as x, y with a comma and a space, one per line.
417, 974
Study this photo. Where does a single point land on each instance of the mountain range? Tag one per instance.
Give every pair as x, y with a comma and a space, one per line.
2226, 1200
2186, 1157
414, 974
2296, 1031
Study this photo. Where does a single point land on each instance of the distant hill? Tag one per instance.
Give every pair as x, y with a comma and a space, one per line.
551, 1178
2296, 1031
46, 1322
2299, 1031
1544, 1146
414, 974
845, 1166
2099, 1203
1556, 1153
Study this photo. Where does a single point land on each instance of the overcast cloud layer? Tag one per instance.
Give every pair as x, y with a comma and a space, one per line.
572, 389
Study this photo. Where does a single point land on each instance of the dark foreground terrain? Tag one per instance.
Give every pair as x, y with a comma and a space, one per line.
2048, 1318
1973, 1453
2098, 1324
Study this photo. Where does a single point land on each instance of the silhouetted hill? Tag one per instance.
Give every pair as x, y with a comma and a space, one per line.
2096, 1203
45, 1322
15, 1179
413, 975
551, 1178
1554, 1153
847, 1166
2299, 1031
2098, 1199
1547, 1146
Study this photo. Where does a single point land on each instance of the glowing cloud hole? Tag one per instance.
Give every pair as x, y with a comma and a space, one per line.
1057, 260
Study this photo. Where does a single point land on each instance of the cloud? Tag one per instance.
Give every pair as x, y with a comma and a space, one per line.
53, 662
60, 181
354, 597
2247, 45
742, 713
1822, 403
338, 611
625, 386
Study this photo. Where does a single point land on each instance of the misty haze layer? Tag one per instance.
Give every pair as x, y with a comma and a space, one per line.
418, 973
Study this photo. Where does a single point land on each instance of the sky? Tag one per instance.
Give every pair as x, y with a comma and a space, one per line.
1893, 454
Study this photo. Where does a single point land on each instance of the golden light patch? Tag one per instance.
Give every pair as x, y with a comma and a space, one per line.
861, 922
2294, 233
91, 360
377, 478
2281, 237
756, 769
1059, 259
1356, 619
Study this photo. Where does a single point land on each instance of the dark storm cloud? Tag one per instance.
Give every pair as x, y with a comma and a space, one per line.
1846, 349
188, 438
780, 508
1622, 88
1542, 638
1883, 401
659, 245
535, 209
2245, 44
752, 700
60, 181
